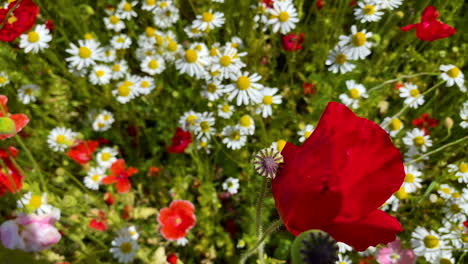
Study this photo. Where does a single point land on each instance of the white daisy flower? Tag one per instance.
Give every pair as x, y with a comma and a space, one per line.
247, 125
125, 9
455, 209
355, 91
412, 95
269, 97
99, 125
36, 40
121, 41
93, 179
412, 179
165, 14
338, 62
189, 120
129, 231
225, 110
390, 4
446, 191
124, 248
126, 90
426, 243
368, 11
208, 20
392, 125
106, 117
213, 90
305, 133
343, 259
231, 185
283, 17
26, 93
182, 242
34, 202
119, 69
343, 248
100, 75
412, 154
4, 80
227, 63
204, 144
463, 115
455, 232
261, 16
391, 204
193, 62
85, 54
109, 55
418, 139
114, 23
460, 171
146, 85
205, 125
236, 42
153, 65
193, 32
148, 5
233, 137
356, 46
106, 157
453, 75
245, 88
61, 138
278, 146
171, 49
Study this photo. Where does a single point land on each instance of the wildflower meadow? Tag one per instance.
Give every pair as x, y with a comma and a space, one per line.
223, 131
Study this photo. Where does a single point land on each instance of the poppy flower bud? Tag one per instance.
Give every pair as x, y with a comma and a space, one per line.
7, 126
314, 246
172, 258
448, 122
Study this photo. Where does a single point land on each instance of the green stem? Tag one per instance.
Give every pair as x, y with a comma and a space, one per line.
399, 79
33, 161
438, 149
272, 228
258, 218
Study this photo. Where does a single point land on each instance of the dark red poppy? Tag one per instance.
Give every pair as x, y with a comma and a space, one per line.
293, 41
10, 124
83, 152
352, 3
172, 258
425, 122
108, 198
22, 19
177, 219
309, 88
430, 29
99, 223
319, 4
268, 3
120, 176
180, 141
338, 178
50, 25
11, 179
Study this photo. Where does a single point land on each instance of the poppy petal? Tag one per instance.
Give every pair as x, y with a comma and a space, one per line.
109, 179
123, 186
3, 104
430, 14
21, 120
118, 167
408, 27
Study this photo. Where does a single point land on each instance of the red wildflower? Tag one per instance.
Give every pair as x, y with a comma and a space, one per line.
10, 124
180, 141
319, 4
99, 223
120, 176
172, 258
108, 198
338, 178
425, 122
293, 41
9, 172
50, 25
22, 19
177, 219
309, 88
430, 29
153, 171
268, 3
83, 152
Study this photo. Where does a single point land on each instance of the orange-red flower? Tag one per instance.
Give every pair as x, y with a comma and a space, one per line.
16, 121
99, 223
177, 219
22, 19
10, 177
430, 29
120, 176
338, 178
83, 152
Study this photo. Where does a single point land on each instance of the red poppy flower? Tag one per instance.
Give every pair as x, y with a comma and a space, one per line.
309, 88
268, 3
172, 258
99, 223
153, 171
10, 124
120, 176
22, 19
319, 4
50, 25
293, 41
425, 122
338, 178
83, 152
177, 219
9, 172
430, 29
180, 141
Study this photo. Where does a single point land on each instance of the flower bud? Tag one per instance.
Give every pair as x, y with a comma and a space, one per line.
448, 122
314, 246
7, 126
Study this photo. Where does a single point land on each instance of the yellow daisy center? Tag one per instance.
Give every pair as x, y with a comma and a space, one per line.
409, 178
84, 52
414, 93
28, 91
124, 90
33, 37
153, 64
3, 79
205, 126
395, 124
203, 144
191, 56
418, 141
431, 241
150, 2
100, 73
105, 156
88, 36
401, 194
35, 201
369, 9
446, 190
245, 121
280, 144
354, 93
456, 195
243, 83
207, 17
116, 68
454, 72
163, 5
126, 247
235, 135
340, 59
172, 46
114, 19
463, 167
95, 178
225, 61
307, 134
211, 87
226, 108
121, 40
127, 7
12, 19
359, 39
283, 16
106, 117
60, 139
191, 119
145, 84
268, 99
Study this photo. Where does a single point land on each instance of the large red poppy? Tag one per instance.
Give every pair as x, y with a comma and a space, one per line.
9, 173
338, 178
83, 152
120, 176
19, 120
430, 29
22, 19
177, 220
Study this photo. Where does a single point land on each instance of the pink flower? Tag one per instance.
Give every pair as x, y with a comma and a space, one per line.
394, 254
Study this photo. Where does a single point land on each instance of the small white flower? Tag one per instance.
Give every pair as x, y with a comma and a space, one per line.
121, 41
213, 90
148, 5
93, 179
146, 85
233, 137
283, 17
34, 202
305, 133
126, 90
85, 54
269, 98
189, 120
247, 125
193, 62
392, 125
100, 75
355, 91
390, 4
125, 9
412, 179
26, 93
225, 110
4, 80
119, 69
114, 23
427, 243
338, 61
36, 40
231, 185
463, 115
460, 170
106, 157
246, 88
165, 14
153, 65
208, 20
417, 138
453, 75
356, 46
129, 231
205, 125
61, 138
412, 95
368, 11
182, 242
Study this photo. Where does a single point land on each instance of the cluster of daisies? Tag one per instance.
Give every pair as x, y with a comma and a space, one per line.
281, 16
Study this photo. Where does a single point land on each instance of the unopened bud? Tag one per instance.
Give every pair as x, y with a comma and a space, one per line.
7, 126
314, 246
448, 122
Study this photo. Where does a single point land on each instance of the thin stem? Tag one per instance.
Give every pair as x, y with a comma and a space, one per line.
258, 218
399, 79
31, 158
272, 228
438, 149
